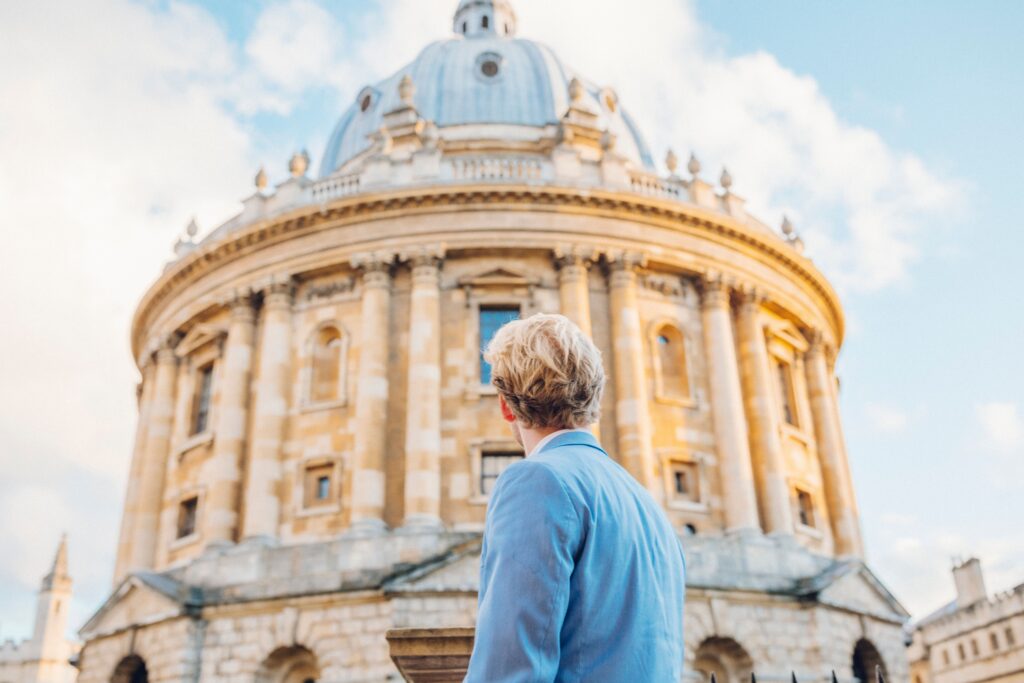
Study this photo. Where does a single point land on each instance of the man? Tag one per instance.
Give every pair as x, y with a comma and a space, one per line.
582, 575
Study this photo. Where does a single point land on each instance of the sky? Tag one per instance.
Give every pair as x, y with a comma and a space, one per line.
888, 133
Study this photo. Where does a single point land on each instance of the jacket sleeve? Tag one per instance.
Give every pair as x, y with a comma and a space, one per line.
531, 536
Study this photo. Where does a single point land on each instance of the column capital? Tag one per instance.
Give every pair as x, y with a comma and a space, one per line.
819, 345
750, 296
568, 257
425, 263
279, 294
240, 303
626, 260
714, 291
375, 268
164, 350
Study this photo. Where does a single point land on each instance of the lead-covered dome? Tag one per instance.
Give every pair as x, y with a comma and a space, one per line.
484, 76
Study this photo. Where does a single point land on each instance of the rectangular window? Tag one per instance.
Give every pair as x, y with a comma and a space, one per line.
805, 508
993, 638
962, 651
974, 647
787, 397
1010, 640
491, 320
187, 516
201, 399
945, 657
492, 464
685, 482
319, 485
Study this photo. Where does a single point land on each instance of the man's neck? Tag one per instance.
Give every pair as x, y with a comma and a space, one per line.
532, 437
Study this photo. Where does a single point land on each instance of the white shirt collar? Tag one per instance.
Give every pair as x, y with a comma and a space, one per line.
544, 442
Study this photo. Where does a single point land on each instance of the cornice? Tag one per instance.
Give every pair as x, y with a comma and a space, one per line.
268, 232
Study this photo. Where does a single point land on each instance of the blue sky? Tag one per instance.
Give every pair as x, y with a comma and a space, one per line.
889, 132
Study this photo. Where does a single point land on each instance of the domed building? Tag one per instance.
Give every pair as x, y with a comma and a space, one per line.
317, 437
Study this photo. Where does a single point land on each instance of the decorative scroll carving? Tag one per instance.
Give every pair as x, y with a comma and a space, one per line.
326, 291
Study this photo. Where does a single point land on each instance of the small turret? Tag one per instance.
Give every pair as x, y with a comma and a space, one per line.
484, 19
52, 608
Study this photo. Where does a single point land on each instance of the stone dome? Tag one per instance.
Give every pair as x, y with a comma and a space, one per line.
486, 77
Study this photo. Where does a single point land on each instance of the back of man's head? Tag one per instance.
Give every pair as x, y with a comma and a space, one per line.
549, 373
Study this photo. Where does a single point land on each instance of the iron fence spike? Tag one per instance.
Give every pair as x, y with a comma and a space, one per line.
834, 679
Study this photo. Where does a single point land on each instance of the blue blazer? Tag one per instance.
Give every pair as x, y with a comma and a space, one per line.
582, 577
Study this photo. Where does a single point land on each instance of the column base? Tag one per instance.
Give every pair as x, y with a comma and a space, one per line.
420, 524
365, 528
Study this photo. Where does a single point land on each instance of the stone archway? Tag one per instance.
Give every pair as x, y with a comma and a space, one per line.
725, 658
295, 664
131, 669
866, 658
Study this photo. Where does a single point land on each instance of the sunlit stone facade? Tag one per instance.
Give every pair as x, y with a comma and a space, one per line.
316, 439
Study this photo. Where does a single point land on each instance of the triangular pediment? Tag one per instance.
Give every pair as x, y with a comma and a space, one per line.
858, 589
135, 601
456, 570
199, 336
498, 277
787, 332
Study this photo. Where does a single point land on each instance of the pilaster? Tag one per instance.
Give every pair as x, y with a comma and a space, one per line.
835, 468
423, 409
632, 416
762, 418
221, 474
730, 425
270, 415
366, 485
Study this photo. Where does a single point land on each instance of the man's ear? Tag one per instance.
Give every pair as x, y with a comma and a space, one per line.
506, 412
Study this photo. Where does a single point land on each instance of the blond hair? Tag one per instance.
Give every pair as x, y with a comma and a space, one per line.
549, 373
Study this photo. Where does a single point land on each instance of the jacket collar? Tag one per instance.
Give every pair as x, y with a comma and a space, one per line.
573, 438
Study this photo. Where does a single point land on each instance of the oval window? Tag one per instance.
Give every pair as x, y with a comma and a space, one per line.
489, 68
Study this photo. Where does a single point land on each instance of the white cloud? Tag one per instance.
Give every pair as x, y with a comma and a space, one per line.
1002, 425
886, 418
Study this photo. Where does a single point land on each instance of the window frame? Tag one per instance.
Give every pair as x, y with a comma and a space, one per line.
199, 494
302, 506
477, 449
306, 402
689, 348
207, 353
696, 461
475, 300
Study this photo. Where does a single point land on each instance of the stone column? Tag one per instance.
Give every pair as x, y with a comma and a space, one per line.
367, 484
423, 397
221, 474
631, 396
762, 419
727, 410
150, 485
270, 416
131, 496
574, 288
835, 471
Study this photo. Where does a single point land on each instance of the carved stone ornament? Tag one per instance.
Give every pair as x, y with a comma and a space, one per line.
330, 289
671, 286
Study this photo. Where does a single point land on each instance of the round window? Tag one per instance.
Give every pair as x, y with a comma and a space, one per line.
365, 103
489, 68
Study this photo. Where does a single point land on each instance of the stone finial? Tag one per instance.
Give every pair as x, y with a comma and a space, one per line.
798, 244
576, 90
671, 162
407, 90
261, 179
787, 227
299, 164
726, 180
192, 229
693, 165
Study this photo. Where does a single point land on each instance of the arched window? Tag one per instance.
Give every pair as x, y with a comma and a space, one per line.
867, 660
131, 669
725, 658
673, 380
295, 664
327, 365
